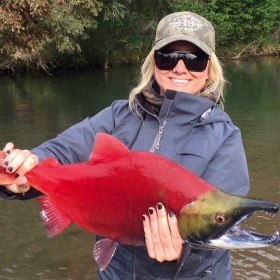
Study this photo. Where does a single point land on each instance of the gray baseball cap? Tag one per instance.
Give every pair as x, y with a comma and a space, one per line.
186, 26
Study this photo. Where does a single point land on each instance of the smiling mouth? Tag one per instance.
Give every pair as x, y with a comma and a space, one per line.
179, 81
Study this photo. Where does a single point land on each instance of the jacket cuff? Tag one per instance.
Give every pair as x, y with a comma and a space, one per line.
6, 194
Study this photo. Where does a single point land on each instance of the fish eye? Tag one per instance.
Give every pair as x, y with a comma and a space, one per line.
220, 218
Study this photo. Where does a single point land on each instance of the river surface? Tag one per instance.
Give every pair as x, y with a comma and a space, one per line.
36, 108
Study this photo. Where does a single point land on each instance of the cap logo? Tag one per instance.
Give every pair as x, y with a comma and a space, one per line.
187, 23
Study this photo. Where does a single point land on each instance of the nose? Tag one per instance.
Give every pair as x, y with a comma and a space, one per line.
180, 67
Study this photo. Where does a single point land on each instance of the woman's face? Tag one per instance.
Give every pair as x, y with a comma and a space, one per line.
179, 78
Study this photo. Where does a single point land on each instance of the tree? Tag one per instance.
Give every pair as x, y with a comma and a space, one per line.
31, 29
238, 23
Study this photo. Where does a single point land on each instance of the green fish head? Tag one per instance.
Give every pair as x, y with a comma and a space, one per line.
212, 219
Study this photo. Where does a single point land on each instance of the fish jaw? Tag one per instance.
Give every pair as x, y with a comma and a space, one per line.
239, 238
211, 221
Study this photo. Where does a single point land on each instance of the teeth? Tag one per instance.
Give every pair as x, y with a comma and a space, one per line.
270, 214
179, 81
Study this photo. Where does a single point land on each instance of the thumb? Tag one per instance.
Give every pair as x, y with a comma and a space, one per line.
21, 181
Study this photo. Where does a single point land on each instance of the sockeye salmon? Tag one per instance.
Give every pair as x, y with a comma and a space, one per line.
109, 194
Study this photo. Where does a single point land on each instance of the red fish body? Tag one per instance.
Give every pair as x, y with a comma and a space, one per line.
109, 194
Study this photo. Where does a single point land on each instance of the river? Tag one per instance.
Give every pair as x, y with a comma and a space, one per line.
36, 108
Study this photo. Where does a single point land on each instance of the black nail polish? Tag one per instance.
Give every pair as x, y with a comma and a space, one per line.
143, 218
10, 169
159, 206
16, 175
6, 163
8, 152
171, 214
151, 211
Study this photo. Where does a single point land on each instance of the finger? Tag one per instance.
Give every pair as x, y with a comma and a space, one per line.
21, 185
165, 233
148, 236
159, 252
8, 148
20, 161
28, 164
21, 181
10, 157
175, 234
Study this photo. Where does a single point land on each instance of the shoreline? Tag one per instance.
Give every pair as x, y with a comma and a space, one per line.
223, 56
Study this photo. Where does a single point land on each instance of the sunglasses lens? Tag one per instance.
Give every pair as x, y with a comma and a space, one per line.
166, 61
195, 61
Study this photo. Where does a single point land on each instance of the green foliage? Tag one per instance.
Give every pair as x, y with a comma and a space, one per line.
240, 22
45, 33
125, 32
31, 29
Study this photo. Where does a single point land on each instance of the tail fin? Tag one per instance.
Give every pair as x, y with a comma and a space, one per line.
2, 156
5, 178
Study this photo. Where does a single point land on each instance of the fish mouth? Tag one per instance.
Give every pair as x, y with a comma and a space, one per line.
237, 237
210, 223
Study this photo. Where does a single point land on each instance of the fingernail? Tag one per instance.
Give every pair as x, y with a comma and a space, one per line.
159, 206
8, 152
143, 218
151, 211
10, 169
171, 214
6, 163
16, 175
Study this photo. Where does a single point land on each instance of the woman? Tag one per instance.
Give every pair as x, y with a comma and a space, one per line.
175, 111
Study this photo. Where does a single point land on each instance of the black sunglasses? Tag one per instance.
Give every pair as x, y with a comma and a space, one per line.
195, 61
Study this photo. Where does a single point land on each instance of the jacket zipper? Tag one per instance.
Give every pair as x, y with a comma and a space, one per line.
160, 134
134, 264
156, 144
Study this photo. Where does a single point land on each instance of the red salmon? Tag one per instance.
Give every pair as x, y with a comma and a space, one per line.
109, 194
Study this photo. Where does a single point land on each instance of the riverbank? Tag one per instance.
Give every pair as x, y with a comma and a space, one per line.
250, 51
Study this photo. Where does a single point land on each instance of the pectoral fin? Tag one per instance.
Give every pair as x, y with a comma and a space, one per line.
186, 251
54, 220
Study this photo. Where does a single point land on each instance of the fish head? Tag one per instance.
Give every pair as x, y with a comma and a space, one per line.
212, 221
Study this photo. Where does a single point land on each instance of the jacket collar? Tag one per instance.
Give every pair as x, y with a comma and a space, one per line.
183, 108
186, 105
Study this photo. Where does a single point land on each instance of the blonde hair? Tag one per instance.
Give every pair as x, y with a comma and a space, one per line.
213, 86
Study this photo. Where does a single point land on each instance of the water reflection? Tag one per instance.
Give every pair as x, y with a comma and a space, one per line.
34, 109
253, 101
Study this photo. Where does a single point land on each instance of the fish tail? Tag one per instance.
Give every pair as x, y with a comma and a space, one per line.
2, 156
5, 177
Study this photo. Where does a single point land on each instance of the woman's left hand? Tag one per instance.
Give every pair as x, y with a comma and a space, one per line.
163, 240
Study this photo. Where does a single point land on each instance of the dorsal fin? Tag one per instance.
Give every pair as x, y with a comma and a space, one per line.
50, 162
106, 147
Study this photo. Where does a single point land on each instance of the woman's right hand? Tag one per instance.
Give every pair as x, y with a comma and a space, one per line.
18, 162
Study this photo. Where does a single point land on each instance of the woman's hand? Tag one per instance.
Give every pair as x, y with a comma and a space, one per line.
163, 240
18, 162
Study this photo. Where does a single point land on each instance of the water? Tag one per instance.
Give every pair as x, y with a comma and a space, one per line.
34, 109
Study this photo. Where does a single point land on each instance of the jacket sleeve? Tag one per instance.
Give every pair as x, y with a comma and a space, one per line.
228, 168
71, 146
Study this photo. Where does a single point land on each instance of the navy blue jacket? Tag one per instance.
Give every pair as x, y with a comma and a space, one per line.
191, 130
